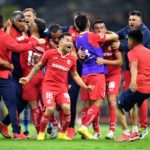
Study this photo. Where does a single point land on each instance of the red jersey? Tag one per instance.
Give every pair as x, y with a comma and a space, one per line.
74, 33
29, 58
9, 45
57, 68
109, 54
141, 55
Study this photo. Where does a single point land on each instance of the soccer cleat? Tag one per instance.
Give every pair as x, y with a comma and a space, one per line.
41, 136
71, 133
97, 135
110, 135
4, 130
26, 133
62, 136
20, 136
122, 138
85, 133
143, 132
54, 132
134, 136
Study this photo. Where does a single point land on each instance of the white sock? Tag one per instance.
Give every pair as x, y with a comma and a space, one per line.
84, 127
134, 128
126, 132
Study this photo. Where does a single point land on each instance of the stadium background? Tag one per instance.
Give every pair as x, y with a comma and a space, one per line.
113, 12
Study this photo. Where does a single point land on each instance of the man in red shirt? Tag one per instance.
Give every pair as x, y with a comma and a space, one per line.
139, 63
7, 46
113, 60
55, 86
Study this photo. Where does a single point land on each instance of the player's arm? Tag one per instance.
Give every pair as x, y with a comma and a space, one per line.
116, 62
110, 36
80, 82
6, 65
34, 70
133, 70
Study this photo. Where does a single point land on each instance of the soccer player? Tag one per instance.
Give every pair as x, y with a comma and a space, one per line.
134, 22
55, 86
92, 73
139, 89
7, 46
113, 60
31, 91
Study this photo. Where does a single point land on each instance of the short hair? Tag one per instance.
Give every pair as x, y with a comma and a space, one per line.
136, 35
30, 9
17, 15
1, 21
63, 35
81, 21
135, 13
55, 28
96, 22
41, 25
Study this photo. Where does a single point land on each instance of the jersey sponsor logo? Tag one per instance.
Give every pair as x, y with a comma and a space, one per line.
60, 67
107, 54
21, 38
40, 49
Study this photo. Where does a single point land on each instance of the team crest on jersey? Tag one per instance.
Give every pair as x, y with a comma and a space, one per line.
68, 61
55, 57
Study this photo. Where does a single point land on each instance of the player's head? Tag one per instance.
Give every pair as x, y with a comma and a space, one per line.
135, 37
135, 19
98, 26
65, 42
37, 26
55, 32
1, 21
30, 15
18, 20
82, 22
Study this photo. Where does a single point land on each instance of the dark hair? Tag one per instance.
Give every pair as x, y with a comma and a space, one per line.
30, 9
55, 28
135, 13
96, 22
17, 15
81, 21
63, 35
136, 35
41, 25
1, 21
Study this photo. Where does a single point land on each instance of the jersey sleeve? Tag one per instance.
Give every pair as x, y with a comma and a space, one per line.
132, 56
45, 57
95, 37
74, 66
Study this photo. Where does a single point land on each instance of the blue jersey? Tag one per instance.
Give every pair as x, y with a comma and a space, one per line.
89, 42
123, 36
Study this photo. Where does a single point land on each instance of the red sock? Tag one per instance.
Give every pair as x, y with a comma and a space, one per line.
65, 121
36, 117
44, 121
84, 111
144, 114
53, 120
112, 115
91, 114
95, 122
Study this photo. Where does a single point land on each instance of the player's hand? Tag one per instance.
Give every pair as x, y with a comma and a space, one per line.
115, 45
90, 87
133, 87
11, 67
81, 53
24, 80
100, 61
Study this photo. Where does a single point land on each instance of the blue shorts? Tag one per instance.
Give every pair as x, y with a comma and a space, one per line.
128, 98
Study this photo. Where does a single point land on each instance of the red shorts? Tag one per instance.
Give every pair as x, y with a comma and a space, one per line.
51, 98
127, 79
113, 84
31, 91
98, 80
